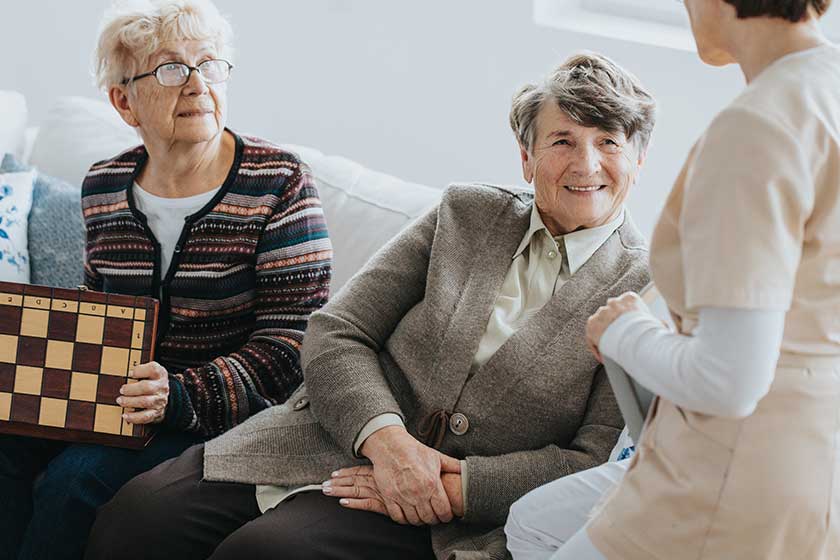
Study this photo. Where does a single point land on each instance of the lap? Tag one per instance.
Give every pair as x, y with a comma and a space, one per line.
312, 525
112, 467
173, 512
555, 511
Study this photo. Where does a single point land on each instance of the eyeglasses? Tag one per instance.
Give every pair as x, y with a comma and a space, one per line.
173, 74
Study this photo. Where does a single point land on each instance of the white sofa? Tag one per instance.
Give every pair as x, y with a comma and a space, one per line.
364, 208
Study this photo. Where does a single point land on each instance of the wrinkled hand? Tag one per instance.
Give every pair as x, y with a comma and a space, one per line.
148, 397
407, 475
603, 318
357, 489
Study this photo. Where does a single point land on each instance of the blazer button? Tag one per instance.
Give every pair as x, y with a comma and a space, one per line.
301, 403
459, 424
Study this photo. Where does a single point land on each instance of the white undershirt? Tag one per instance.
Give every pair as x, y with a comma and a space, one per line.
724, 368
166, 217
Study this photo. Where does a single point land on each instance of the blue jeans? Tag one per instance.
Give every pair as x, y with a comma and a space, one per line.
50, 491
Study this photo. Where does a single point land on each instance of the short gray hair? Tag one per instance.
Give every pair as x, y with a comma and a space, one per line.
593, 91
132, 30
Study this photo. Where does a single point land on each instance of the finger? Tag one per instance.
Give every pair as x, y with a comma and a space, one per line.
141, 416
153, 401
142, 388
353, 471
151, 370
358, 480
441, 506
427, 514
449, 464
412, 516
395, 512
367, 504
357, 492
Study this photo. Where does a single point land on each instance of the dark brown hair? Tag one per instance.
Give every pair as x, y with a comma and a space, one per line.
791, 10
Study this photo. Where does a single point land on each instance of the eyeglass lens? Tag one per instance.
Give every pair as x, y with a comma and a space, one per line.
177, 74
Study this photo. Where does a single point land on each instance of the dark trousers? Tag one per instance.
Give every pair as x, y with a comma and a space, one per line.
49, 490
170, 512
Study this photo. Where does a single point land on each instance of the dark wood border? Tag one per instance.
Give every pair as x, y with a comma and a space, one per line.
74, 436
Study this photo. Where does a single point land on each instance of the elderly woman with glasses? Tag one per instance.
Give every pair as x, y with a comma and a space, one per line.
227, 231
449, 376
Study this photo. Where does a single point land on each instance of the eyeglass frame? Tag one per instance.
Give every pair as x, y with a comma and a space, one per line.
191, 69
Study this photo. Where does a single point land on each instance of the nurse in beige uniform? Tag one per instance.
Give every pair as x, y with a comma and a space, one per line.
740, 458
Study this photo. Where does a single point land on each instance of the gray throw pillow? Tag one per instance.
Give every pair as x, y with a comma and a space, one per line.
56, 230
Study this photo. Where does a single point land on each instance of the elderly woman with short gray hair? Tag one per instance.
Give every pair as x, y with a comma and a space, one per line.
227, 231
447, 379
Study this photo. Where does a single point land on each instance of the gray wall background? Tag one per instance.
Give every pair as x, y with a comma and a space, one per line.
420, 90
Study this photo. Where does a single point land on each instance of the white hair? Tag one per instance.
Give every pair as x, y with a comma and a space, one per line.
133, 30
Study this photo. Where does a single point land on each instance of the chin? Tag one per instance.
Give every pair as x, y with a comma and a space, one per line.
714, 56
197, 134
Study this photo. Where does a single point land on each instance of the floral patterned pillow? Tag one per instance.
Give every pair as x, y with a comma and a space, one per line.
15, 203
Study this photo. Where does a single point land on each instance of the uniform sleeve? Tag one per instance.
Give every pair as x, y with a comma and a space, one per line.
748, 195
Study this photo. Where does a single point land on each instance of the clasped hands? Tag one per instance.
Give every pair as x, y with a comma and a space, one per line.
409, 482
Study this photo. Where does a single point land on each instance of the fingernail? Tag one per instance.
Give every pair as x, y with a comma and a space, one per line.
119, 400
334, 474
327, 483
344, 501
124, 416
327, 490
122, 390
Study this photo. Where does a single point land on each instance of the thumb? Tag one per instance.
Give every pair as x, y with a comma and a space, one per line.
449, 464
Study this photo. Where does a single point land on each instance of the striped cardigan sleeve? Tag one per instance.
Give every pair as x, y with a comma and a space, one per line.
293, 269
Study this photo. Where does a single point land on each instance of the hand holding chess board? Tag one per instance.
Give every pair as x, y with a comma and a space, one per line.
64, 355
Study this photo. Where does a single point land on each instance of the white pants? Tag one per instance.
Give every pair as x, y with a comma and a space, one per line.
548, 517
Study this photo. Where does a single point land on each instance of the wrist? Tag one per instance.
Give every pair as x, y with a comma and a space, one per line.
383, 440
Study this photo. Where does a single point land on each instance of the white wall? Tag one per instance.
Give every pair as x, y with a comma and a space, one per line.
417, 89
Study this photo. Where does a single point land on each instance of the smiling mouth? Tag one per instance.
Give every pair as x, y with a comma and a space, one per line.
584, 189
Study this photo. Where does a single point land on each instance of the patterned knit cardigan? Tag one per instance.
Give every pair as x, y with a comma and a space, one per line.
248, 270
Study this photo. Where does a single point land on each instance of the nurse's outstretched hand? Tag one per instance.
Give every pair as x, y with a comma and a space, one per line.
606, 314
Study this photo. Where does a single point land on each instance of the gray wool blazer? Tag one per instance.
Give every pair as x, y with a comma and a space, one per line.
401, 336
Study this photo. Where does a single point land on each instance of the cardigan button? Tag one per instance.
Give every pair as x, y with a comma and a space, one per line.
301, 403
459, 424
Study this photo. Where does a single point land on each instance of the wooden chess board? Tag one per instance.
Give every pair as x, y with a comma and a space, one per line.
64, 354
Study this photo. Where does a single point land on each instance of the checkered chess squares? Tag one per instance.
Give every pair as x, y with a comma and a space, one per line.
63, 361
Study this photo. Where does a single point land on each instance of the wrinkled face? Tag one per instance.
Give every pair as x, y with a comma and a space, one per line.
706, 18
192, 113
581, 175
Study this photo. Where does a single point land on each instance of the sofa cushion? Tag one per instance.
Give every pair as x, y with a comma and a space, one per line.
56, 234
55, 230
12, 123
76, 133
15, 202
364, 208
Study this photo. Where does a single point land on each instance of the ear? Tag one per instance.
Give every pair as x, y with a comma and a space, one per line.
118, 95
527, 164
640, 161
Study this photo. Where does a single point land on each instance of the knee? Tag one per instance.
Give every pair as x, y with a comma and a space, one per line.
138, 510
255, 544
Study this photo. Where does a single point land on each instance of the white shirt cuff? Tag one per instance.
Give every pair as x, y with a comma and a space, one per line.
374, 425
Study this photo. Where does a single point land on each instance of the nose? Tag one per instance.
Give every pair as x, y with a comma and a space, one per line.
587, 161
195, 84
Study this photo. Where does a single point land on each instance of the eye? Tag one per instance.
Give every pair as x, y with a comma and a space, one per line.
610, 141
561, 142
